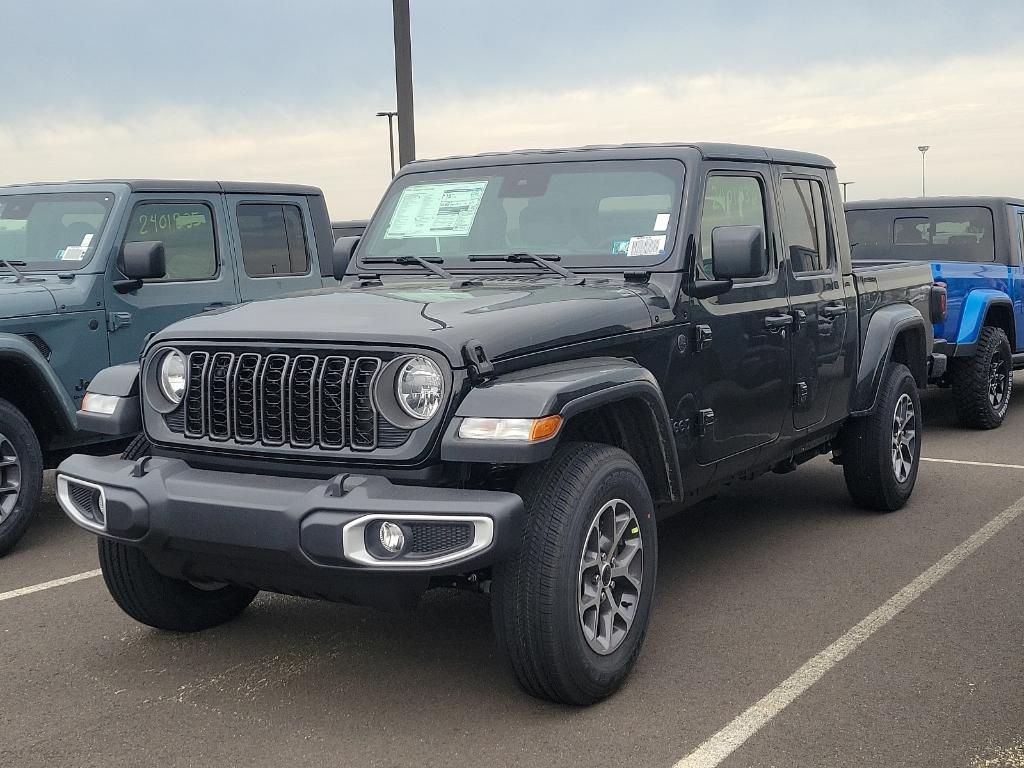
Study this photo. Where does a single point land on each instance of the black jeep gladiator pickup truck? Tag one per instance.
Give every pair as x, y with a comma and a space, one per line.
532, 358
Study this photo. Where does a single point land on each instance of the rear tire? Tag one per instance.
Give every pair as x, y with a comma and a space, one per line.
881, 452
571, 607
159, 601
21, 475
983, 383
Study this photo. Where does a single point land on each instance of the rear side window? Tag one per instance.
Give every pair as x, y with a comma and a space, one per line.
186, 230
273, 240
805, 226
729, 201
923, 234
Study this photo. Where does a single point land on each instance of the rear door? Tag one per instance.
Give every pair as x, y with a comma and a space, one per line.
199, 277
276, 247
745, 372
821, 300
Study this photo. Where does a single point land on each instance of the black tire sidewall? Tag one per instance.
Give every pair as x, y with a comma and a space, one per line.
18, 430
618, 479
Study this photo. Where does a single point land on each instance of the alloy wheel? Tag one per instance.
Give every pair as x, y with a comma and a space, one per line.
904, 437
998, 382
610, 576
10, 477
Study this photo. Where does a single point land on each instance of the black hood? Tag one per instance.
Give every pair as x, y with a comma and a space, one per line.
508, 318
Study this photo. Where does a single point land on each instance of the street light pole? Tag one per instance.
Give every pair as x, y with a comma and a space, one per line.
391, 137
923, 149
403, 82
844, 185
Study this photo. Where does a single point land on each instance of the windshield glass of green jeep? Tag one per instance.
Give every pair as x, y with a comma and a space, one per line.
52, 231
615, 213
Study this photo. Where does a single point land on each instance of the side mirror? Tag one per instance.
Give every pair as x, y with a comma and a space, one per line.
144, 261
344, 247
738, 252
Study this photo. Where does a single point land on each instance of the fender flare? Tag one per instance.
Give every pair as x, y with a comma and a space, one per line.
566, 389
884, 328
20, 353
972, 317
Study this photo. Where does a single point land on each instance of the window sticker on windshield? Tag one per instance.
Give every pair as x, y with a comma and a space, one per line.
73, 253
646, 245
446, 209
86, 240
620, 247
661, 222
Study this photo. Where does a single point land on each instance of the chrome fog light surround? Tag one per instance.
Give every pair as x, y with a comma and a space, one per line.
353, 539
71, 507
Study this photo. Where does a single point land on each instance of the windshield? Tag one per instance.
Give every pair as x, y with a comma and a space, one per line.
923, 234
52, 231
589, 213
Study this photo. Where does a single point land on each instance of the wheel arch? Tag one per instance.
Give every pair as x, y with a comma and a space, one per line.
30, 384
608, 400
984, 306
895, 333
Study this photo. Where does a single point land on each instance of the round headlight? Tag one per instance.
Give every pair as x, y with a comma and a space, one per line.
419, 388
172, 376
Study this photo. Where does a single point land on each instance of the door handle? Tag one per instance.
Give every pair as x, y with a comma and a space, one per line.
775, 322
833, 310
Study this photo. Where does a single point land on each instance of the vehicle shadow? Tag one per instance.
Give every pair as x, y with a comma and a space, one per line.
289, 660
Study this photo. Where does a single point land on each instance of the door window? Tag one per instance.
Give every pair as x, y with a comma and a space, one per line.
805, 226
273, 240
729, 201
186, 230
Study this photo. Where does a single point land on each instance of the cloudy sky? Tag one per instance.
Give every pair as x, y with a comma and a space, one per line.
287, 90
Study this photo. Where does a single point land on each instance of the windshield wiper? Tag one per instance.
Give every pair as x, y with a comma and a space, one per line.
541, 260
429, 263
11, 266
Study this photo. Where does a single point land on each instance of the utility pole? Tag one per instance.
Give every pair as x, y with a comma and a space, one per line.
923, 149
391, 137
403, 82
844, 185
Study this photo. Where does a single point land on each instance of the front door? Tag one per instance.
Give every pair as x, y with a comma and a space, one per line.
821, 300
278, 251
745, 372
200, 272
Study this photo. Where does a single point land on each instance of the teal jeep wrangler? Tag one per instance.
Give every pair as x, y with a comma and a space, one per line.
88, 270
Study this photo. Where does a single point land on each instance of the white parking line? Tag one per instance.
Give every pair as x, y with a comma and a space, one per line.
713, 751
974, 463
48, 585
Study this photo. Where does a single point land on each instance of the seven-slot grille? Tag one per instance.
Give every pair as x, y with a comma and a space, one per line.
292, 400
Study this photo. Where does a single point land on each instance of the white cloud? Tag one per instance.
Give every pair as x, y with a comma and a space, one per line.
869, 118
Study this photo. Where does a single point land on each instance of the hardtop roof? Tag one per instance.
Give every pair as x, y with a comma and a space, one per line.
960, 201
186, 185
707, 151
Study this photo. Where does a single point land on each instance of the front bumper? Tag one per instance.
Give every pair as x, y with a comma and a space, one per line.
283, 534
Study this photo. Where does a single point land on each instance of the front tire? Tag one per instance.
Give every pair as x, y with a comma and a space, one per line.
571, 607
159, 601
881, 452
21, 475
983, 383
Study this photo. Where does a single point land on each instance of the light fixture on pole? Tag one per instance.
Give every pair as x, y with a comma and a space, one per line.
922, 149
391, 137
844, 185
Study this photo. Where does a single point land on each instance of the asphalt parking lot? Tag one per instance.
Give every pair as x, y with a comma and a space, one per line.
753, 587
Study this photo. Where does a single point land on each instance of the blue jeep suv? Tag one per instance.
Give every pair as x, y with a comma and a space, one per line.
974, 245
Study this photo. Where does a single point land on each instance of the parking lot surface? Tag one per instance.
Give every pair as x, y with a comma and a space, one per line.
752, 586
